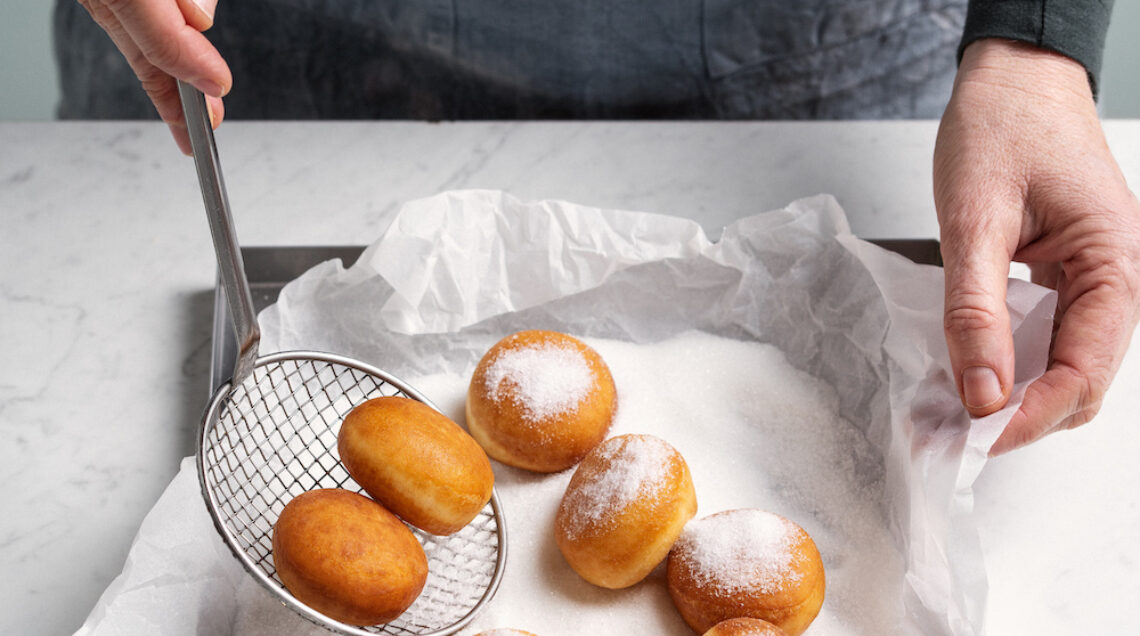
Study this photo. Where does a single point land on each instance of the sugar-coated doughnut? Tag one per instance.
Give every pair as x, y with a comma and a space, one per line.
746, 562
417, 462
503, 631
347, 557
540, 400
745, 627
625, 505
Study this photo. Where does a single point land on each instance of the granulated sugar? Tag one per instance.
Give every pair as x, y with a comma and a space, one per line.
756, 433
637, 467
744, 550
546, 379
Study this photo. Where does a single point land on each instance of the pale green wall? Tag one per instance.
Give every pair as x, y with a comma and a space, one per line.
1120, 77
29, 90
28, 84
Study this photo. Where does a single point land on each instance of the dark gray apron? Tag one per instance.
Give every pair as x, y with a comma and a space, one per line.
550, 59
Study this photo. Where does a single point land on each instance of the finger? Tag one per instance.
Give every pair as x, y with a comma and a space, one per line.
217, 110
198, 13
1093, 335
1055, 401
162, 38
976, 322
160, 87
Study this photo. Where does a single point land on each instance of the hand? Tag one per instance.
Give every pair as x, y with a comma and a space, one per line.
1022, 172
162, 40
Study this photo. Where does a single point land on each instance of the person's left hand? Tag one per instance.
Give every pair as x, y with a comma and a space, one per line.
1022, 172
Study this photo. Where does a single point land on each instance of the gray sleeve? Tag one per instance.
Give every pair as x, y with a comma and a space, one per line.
1074, 28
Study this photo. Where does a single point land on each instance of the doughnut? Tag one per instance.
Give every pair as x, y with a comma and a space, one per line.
347, 557
746, 562
540, 400
625, 505
503, 631
745, 627
416, 462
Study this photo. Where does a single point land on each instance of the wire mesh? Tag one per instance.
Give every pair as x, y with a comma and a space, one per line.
275, 436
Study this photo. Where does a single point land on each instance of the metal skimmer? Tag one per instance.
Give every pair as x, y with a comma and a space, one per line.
270, 434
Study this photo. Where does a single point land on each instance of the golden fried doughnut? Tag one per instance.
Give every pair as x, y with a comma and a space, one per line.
624, 507
746, 562
745, 627
417, 462
540, 400
347, 557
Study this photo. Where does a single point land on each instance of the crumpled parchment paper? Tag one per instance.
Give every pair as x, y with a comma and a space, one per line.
456, 272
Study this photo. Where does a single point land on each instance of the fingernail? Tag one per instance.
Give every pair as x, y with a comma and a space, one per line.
207, 6
980, 387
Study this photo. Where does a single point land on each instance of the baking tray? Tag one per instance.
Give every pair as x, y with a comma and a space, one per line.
270, 268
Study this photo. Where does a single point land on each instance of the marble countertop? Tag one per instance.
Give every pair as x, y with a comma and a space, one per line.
107, 271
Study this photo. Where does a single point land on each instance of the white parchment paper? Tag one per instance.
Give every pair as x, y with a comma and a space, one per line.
456, 272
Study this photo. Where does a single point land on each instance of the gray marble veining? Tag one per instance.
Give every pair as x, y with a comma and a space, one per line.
106, 270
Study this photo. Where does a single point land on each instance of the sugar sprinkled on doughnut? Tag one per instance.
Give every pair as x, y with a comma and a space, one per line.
548, 379
638, 467
741, 551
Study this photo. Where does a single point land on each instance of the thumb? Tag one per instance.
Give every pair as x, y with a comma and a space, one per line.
976, 321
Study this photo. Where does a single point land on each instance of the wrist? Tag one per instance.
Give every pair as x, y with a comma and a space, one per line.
1023, 66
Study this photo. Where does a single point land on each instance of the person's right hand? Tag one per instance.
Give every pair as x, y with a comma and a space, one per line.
162, 41
1023, 172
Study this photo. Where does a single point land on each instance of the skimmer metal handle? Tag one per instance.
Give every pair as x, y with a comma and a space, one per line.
231, 267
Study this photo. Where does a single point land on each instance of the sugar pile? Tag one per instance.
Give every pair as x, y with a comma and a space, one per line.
637, 468
545, 379
756, 433
744, 550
